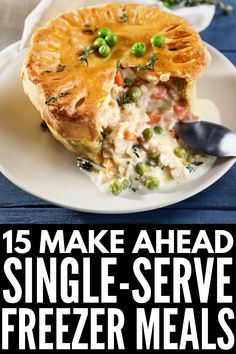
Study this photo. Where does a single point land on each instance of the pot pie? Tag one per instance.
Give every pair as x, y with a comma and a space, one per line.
116, 109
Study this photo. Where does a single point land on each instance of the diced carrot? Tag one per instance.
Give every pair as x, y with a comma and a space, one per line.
119, 79
154, 118
182, 113
178, 109
187, 115
128, 135
174, 134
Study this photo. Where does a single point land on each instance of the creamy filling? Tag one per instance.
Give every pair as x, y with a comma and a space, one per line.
141, 150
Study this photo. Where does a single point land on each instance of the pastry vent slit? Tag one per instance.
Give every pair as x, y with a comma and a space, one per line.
110, 15
170, 28
80, 102
175, 49
181, 36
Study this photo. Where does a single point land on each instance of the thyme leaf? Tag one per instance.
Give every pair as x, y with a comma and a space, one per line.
136, 149
63, 94
61, 68
197, 163
124, 18
89, 28
85, 54
190, 168
55, 99
84, 164
151, 62
118, 64
51, 100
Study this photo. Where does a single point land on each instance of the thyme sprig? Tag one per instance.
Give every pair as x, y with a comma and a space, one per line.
85, 54
124, 18
136, 150
192, 166
88, 165
89, 28
66, 93
197, 163
84, 164
124, 99
54, 99
151, 62
51, 100
61, 68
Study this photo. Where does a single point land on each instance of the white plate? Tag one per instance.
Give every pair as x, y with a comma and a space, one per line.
38, 164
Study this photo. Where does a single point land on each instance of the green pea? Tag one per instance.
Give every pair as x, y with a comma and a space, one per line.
125, 183
141, 168
129, 82
158, 130
135, 93
111, 39
152, 183
166, 4
176, 2
169, 3
228, 9
158, 40
103, 32
105, 51
139, 49
116, 187
99, 42
153, 156
148, 133
180, 152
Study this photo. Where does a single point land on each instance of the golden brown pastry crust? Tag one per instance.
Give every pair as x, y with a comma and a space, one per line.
82, 91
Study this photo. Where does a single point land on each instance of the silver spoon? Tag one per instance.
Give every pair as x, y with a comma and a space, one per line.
209, 138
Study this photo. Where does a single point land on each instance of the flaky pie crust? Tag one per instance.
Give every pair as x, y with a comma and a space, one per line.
53, 67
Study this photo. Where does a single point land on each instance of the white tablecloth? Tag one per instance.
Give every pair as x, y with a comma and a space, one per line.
12, 17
